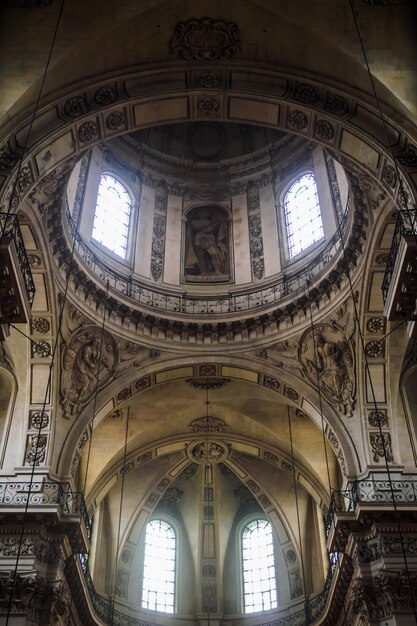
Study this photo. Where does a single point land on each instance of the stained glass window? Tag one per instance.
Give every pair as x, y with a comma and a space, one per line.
112, 216
158, 589
302, 215
258, 565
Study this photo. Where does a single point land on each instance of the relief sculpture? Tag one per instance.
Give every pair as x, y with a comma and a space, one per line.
88, 361
207, 245
327, 361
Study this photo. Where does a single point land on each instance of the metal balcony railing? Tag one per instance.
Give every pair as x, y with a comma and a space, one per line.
370, 492
154, 298
104, 608
10, 231
406, 226
46, 494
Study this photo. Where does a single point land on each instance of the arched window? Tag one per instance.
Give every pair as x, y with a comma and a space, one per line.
112, 216
158, 589
258, 567
302, 215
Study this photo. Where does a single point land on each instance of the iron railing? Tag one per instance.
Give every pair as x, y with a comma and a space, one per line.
10, 231
406, 226
48, 493
154, 298
369, 492
104, 608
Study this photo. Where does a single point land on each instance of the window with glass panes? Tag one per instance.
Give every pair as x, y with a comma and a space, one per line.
302, 215
158, 588
112, 216
258, 566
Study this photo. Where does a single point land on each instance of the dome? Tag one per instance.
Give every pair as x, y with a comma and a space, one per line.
255, 216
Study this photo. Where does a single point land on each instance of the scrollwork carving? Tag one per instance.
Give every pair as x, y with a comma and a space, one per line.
205, 39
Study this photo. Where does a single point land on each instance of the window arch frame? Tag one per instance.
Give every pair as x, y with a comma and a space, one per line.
173, 524
311, 248
133, 220
243, 524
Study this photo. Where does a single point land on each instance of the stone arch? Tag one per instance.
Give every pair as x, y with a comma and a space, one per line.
290, 389
344, 124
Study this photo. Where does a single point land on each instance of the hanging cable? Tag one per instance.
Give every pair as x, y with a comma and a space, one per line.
123, 472
306, 603
32, 120
368, 376
91, 423
381, 115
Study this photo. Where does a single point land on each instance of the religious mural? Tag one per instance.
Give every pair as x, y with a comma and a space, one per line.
207, 248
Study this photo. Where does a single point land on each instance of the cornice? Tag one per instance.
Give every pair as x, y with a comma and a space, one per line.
209, 330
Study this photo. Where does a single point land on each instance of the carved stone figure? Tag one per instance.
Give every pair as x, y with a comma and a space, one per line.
327, 360
88, 361
207, 245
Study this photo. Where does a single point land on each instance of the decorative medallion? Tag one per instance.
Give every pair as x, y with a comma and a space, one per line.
38, 420
208, 571
208, 80
40, 325
89, 361
41, 350
105, 95
324, 130
143, 458
336, 105
297, 119
115, 120
375, 349
378, 418
307, 94
207, 451
291, 393
143, 383
327, 359
389, 176
375, 325
76, 106
207, 369
87, 131
271, 383
208, 106
290, 557
206, 39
